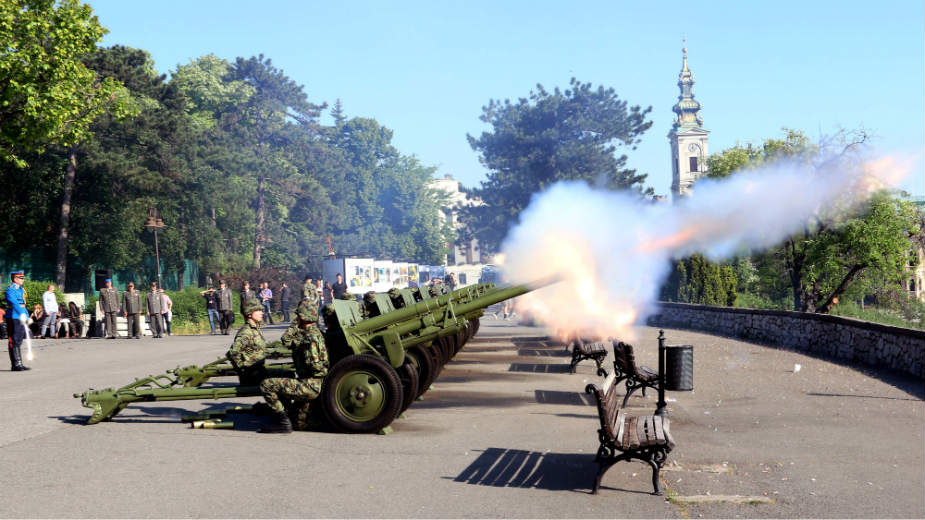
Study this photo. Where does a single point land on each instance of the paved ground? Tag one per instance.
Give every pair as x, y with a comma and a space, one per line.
505, 432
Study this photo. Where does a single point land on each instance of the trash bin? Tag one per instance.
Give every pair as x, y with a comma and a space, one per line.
679, 367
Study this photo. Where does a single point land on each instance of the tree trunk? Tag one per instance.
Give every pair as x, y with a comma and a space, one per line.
795, 266
261, 210
181, 272
69, 176
830, 302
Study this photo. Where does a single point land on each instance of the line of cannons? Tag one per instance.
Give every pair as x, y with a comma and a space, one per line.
381, 359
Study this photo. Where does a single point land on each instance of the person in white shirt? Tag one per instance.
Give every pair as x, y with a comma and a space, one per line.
50, 303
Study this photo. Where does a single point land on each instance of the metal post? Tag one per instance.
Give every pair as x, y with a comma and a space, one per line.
661, 408
157, 259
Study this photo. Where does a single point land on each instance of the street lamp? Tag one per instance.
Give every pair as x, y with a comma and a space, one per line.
154, 222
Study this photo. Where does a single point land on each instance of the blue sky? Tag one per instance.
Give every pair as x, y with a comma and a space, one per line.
425, 69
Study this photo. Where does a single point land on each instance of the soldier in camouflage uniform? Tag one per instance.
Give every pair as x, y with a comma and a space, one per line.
249, 349
311, 365
309, 292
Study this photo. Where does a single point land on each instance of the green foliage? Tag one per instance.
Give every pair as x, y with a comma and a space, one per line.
49, 96
549, 137
883, 315
697, 280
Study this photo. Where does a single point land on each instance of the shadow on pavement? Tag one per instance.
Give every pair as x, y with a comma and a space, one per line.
549, 352
818, 394
540, 368
559, 397
501, 467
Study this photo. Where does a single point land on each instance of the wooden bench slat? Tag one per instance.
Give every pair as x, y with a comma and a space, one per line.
659, 430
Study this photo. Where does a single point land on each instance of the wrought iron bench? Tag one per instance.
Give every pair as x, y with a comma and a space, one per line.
645, 438
624, 366
582, 351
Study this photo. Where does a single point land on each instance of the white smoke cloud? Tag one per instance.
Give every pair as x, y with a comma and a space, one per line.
613, 251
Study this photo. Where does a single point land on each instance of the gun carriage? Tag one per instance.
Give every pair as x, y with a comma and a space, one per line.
384, 352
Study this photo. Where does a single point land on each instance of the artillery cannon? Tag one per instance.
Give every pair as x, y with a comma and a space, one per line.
384, 353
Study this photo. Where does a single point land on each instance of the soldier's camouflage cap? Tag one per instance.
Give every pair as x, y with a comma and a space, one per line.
394, 292
370, 296
347, 296
307, 311
252, 305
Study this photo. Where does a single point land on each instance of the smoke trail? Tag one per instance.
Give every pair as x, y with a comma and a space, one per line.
614, 251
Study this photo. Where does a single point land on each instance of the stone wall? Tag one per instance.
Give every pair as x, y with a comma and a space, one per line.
820, 334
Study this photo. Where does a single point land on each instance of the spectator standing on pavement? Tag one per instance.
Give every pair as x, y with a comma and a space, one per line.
212, 308
131, 308
246, 295
225, 306
166, 310
266, 299
50, 304
328, 293
284, 301
339, 286
109, 302
153, 311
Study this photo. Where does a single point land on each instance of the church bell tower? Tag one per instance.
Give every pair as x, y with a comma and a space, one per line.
687, 136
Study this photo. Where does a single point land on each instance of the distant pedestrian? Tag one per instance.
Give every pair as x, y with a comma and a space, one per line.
225, 306
131, 309
309, 293
339, 286
328, 293
246, 295
50, 304
166, 310
284, 292
266, 299
153, 305
212, 308
109, 302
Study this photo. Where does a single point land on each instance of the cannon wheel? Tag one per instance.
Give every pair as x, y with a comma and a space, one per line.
447, 348
362, 394
408, 375
425, 366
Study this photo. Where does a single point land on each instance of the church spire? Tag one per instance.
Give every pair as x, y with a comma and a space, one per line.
687, 107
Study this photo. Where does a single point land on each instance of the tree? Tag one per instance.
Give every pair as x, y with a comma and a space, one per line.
48, 96
835, 249
697, 280
549, 137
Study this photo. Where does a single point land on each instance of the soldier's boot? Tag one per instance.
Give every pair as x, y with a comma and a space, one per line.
16, 357
12, 359
280, 424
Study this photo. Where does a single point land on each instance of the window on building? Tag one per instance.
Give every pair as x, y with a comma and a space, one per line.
694, 164
462, 278
912, 285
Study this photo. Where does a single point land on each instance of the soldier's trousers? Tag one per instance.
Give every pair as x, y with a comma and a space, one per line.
227, 320
111, 325
157, 328
302, 391
134, 325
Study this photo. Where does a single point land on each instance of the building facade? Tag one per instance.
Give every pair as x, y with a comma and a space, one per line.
463, 251
689, 141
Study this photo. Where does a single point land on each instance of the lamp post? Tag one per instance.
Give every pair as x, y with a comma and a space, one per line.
661, 407
154, 222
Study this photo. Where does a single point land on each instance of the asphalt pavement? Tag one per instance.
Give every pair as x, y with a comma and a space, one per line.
505, 432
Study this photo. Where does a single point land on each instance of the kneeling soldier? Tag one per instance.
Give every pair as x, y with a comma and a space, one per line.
249, 349
311, 365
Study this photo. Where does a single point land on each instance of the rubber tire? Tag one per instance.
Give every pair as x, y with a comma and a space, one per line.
408, 375
447, 346
424, 362
382, 379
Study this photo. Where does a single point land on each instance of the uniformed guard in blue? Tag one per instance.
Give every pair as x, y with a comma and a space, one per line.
16, 317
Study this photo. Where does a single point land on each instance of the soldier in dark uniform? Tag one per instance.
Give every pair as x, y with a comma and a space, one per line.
109, 302
16, 316
153, 310
311, 365
225, 306
131, 309
247, 294
249, 350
